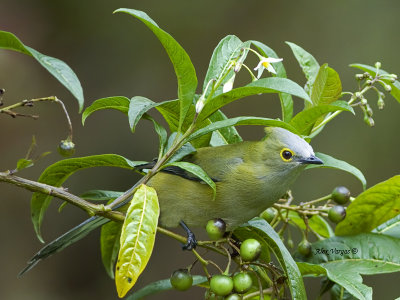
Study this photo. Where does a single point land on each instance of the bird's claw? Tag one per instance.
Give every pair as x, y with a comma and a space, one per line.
191, 242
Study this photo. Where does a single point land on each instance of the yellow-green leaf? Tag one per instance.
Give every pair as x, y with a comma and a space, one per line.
371, 208
137, 238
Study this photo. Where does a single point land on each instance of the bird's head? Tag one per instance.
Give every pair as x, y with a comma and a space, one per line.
288, 151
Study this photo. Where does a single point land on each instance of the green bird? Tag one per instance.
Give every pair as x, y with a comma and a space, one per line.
250, 176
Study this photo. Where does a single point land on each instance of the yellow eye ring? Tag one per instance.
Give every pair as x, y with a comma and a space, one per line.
286, 154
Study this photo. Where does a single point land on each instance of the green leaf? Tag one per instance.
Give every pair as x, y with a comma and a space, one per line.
240, 121
346, 258
195, 170
308, 64
161, 132
305, 120
316, 223
59, 69
327, 87
100, 195
227, 49
333, 163
137, 108
185, 150
286, 99
261, 86
137, 238
390, 227
372, 71
59, 172
223, 136
371, 208
294, 279
184, 69
160, 286
117, 102
109, 245
24, 163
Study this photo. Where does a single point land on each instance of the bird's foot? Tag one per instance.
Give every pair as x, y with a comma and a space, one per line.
191, 242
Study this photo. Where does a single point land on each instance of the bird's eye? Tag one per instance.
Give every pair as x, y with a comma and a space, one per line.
286, 154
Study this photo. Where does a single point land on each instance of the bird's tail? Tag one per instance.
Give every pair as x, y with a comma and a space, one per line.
63, 241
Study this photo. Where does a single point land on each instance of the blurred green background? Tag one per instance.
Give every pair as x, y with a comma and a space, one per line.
117, 55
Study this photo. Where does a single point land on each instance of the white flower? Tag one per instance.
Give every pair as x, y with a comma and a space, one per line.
265, 63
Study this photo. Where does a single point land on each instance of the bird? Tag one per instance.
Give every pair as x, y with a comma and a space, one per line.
250, 176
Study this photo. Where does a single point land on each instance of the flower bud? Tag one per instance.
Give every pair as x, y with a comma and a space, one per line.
369, 110
369, 121
364, 101
381, 103
369, 82
378, 65
388, 88
359, 76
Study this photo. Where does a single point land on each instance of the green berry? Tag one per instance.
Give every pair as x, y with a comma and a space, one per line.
216, 229
242, 282
221, 285
181, 280
341, 195
233, 297
337, 213
250, 250
269, 214
66, 148
304, 248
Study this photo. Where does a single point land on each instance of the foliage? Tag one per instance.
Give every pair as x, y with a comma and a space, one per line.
366, 242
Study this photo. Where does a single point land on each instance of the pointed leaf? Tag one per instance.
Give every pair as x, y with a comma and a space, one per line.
327, 87
371, 70
346, 258
316, 223
59, 69
307, 62
58, 172
24, 163
333, 163
137, 108
160, 286
109, 245
117, 102
184, 69
261, 86
100, 195
227, 49
240, 121
294, 279
223, 136
161, 132
137, 238
305, 120
391, 227
371, 208
286, 99
195, 170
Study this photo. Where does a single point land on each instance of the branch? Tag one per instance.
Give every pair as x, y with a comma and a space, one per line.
9, 109
61, 193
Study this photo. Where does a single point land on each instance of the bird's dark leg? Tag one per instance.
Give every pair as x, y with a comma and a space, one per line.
191, 239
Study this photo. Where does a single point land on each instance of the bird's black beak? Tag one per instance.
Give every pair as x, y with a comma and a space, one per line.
313, 160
